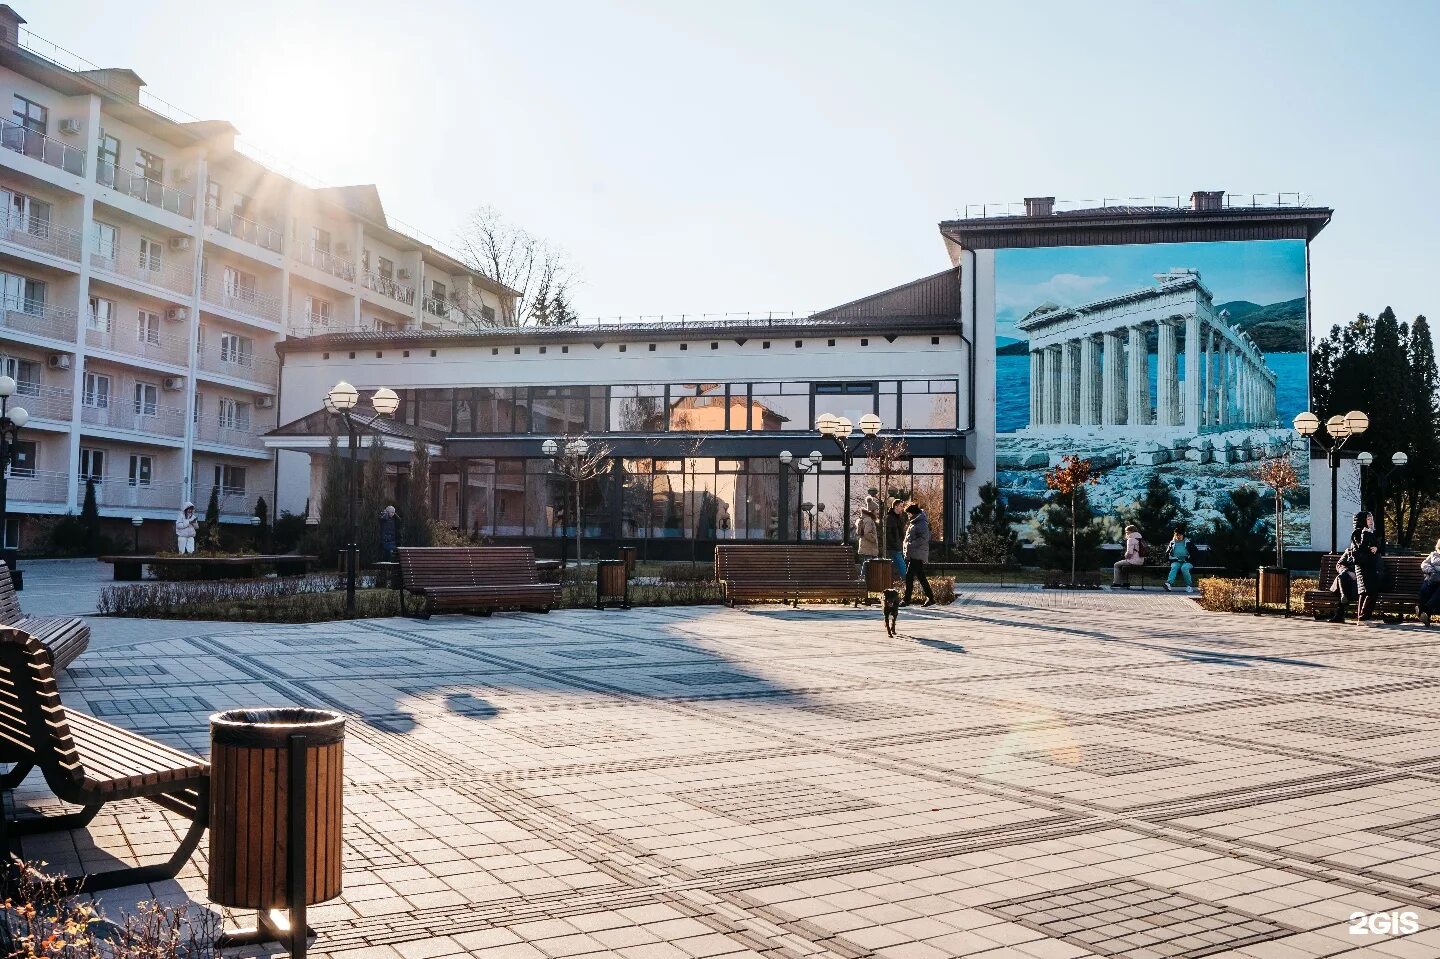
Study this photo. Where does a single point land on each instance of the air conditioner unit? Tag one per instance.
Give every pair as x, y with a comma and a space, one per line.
264, 402
175, 383
72, 126
179, 244
178, 314
403, 273
59, 361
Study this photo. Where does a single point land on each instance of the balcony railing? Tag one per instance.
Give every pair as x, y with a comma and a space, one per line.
227, 221
245, 366
262, 306
239, 500
174, 274
145, 189
325, 262
120, 411
119, 491
40, 235
388, 287
212, 429
52, 152
313, 324
38, 317
436, 306
155, 347
43, 402
37, 486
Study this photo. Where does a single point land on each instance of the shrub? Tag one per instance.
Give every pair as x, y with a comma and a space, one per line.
287, 531
297, 599
1227, 595
443, 534
687, 572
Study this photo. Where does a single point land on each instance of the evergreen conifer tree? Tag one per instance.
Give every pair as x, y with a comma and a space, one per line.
1157, 512
331, 531
373, 500
90, 519
416, 517
1240, 536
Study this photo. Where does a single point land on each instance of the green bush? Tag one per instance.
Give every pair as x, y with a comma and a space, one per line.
687, 572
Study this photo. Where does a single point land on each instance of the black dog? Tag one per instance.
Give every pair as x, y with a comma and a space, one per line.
892, 609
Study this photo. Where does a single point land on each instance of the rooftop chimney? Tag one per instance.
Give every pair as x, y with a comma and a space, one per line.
1207, 200
1039, 205
9, 24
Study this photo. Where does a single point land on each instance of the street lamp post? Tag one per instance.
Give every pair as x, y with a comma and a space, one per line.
800, 469
1366, 460
10, 423
341, 402
137, 522
846, 438
1340, 429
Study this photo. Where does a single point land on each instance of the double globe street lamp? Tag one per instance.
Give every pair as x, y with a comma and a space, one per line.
1366, 459
11, 422
801, 469
341, 402
848, 439
1340, 429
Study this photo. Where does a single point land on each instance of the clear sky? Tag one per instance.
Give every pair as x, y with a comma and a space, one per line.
754, 155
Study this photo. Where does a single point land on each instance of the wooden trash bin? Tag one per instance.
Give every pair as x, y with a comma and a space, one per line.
276, 806
1272, 588
612, 584
879, 575
628, 554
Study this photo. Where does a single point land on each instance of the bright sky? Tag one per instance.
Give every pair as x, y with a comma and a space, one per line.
751, 155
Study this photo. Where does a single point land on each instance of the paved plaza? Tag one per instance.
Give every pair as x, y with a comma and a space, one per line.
1025, 773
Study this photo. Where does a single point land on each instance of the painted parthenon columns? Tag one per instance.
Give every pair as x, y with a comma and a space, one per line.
1104, 377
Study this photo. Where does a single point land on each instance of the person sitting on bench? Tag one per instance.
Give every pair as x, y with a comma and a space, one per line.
1134, 556
1430, 589
1178, 552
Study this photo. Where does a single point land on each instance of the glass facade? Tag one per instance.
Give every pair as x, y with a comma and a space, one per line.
678, 407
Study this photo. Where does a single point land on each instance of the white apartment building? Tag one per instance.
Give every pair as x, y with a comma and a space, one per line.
148, 269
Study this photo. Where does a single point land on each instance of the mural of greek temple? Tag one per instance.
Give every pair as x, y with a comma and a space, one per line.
1090, 365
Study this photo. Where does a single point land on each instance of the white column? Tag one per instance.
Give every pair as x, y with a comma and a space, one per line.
1167, 383
1037, 388
1052, 385
1112, 392
1208, 411
1138, 378
1068, 364
1089, 381
1193, 375
1226, 399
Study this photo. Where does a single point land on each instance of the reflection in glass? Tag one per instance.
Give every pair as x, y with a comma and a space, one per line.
697, 407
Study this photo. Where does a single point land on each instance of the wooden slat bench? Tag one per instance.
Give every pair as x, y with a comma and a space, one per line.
788, 574
484, 578
88, 763
66, 637
1401, 597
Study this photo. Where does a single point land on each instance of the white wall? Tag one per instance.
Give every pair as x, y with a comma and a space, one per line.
982, 330
1348, 483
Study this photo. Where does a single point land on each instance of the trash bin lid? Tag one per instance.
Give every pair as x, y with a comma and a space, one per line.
271, 727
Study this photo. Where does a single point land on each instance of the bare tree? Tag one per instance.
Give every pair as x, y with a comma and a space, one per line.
534, 268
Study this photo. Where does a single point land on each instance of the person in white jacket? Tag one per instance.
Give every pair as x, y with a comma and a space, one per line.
186, 526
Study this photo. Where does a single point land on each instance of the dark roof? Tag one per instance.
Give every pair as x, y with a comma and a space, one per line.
935, 295
320, 423
1137, 224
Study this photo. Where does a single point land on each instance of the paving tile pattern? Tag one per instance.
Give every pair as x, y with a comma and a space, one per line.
1025, 773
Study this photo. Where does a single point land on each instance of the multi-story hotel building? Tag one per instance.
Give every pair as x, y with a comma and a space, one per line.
148, 268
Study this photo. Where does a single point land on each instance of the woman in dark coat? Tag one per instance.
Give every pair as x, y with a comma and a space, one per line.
1365, 550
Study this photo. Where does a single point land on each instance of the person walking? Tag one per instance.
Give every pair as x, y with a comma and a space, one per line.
895, 535
1134, 556
187, 525
867, 533
389, 534
917, 554
1364, 554
1178, 552
1430, 588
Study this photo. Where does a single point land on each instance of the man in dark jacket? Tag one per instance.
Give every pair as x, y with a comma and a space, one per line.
917, 554
895, 534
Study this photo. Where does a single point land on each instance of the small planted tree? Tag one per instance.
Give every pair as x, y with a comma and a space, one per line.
262, 530
212, 520
1158, 511
372, 501
1278, 473
90, 518
416, 516
990, 537
1069, 479
333, 491
888, 460
1239, 535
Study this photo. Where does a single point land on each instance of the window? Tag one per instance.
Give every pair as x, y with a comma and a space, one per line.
108, 154
199, 406
780, 406
147, 327
236, 349
437, 290
320, 240
92, 464
487, 313
31, 115
234, 415
25, 373
147, 399
22, 458
151, 252
637, 409
141, 469
102, 315
230, 479
97, 391
22, 294
697, 407
213, 193
242, 204
927, 405
150, 166
850, 400
387, 268
107, 238
318, 310
239, 284
27, 213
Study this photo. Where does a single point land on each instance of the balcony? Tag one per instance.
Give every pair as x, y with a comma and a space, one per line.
149, 347
51, 152
119, 411
436, 306
144, 189
242, 229
38, 318
239, 500
43, 402
212, 429
388, 287
37, 486
177, 277
241, 366
314, 324
116, 491
325, 262
261, 306
39, 235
